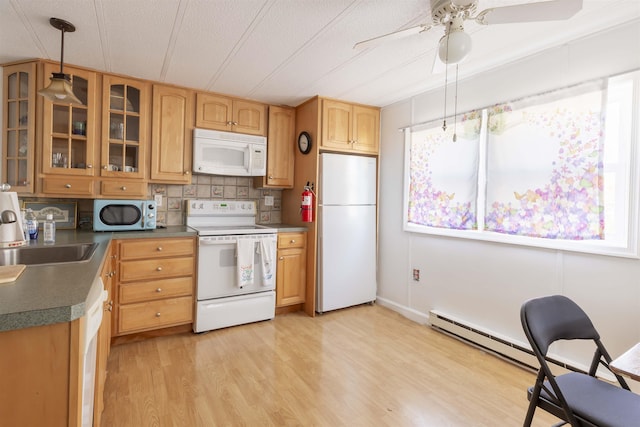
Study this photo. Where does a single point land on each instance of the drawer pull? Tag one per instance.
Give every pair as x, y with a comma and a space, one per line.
159, 269
159, 248
159, 290
67, 185
158, 314
292, 241
123, 188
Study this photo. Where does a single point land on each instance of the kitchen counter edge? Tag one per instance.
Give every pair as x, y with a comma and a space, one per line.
54, 293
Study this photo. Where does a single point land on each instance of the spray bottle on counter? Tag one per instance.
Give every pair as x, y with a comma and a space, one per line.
32, 225
49, 229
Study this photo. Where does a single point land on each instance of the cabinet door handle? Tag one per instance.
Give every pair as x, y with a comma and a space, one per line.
270, 176
159, 269
187, 172
67, 185
281, 257
89, 166
105, 167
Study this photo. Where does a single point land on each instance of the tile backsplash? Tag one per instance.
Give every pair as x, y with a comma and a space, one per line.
172, 211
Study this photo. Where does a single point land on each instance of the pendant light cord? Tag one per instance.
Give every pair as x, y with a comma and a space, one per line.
455, 107
61, 50
446, 69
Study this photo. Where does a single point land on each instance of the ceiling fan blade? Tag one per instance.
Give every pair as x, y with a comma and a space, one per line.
554, 10
392, 36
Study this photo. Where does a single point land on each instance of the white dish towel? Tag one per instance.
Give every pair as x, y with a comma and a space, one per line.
244, 253
267, 250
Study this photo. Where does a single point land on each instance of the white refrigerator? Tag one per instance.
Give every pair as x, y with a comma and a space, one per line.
347, 244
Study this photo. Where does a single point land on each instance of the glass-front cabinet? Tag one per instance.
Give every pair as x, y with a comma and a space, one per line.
19, 127
124, 127
69, 129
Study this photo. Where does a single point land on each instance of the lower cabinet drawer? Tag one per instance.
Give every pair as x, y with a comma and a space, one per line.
155, 314
153, 269
157, 289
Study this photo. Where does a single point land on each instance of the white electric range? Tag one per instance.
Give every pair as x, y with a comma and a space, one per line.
236, 264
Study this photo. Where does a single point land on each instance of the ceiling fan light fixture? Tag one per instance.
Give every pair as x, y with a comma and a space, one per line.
454, 46
60, 88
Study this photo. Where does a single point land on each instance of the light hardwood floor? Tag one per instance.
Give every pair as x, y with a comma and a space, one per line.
362, 366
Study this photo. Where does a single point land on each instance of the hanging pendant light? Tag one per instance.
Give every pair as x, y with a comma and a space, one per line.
60, 89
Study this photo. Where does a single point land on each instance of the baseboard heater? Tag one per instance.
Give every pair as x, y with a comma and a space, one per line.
491, 342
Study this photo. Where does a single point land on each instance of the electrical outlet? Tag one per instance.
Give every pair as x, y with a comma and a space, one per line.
158, 198
416, 275
268, 200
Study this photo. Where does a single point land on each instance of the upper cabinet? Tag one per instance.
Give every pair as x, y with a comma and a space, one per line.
68, 131
171, 134
350, 127
219, 112
125, 121
18, 136
280, 149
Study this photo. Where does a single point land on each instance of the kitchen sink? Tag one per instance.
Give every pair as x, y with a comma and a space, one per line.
35, 255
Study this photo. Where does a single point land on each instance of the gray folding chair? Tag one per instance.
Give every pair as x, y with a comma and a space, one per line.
578, 398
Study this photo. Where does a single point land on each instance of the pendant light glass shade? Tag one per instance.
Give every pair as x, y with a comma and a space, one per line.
60, 90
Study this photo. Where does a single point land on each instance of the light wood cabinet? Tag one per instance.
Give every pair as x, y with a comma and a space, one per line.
123, 189
155, 283
291, 273
280, 149
224, 113
172, 127
104, 336
68, 186
41, 381
69, 131
350, 127
19, 127
125, 122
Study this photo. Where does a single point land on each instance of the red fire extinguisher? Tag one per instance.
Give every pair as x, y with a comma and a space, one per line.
308, 201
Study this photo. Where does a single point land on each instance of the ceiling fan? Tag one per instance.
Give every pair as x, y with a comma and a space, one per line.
456, 44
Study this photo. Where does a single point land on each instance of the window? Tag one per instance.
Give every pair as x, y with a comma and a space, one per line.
555, 170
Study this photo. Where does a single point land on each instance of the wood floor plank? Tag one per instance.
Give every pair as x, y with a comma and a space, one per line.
362, 366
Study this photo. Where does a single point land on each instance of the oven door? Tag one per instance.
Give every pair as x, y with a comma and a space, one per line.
217, 266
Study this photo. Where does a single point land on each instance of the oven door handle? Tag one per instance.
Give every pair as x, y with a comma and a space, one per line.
207, 242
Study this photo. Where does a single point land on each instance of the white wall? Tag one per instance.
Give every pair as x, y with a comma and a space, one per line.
485, 283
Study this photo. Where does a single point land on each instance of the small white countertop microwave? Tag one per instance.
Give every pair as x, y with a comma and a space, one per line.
228, 153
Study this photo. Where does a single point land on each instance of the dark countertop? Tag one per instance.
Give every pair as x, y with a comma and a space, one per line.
53, 293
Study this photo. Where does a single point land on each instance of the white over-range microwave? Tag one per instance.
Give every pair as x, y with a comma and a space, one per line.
227, 153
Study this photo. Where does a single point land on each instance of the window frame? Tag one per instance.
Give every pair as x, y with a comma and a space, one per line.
627, 249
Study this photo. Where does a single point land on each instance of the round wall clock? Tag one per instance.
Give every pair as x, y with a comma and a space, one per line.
304, 142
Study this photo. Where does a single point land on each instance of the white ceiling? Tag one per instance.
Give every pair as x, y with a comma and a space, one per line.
279, 51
